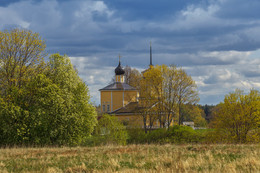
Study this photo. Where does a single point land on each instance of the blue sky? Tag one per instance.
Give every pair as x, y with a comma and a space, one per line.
216, 41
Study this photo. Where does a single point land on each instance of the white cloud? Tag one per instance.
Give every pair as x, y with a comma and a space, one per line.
196, 17
88, 7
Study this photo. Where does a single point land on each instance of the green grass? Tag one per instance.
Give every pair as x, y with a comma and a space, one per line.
133, 158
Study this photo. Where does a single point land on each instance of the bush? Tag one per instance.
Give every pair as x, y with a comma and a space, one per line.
175, 134
184, 134
109, 130
136, 136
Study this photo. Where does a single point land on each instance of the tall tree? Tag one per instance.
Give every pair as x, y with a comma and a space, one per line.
151, 94
167, 89
186, 91
79, 111
21, 57
170, 85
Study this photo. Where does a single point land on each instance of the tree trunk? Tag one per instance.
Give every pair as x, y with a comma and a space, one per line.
180, 116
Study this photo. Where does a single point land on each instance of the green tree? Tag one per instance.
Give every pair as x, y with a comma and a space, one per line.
194, 113
112, 129
52, 108
21, 57
238, 115
81, 114
13, 124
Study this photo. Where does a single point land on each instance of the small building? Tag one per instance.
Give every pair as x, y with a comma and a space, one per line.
188, 123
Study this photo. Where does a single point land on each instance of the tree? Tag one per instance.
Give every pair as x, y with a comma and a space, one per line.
186, 91
80, 113
170, 85
194, 113
208, 109
132, 77
166, 89
151, 95
238, 115
21, 57
52, 108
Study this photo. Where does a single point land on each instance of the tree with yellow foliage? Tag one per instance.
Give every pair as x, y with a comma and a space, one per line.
238, 115
186, 91
167, 89
151, 94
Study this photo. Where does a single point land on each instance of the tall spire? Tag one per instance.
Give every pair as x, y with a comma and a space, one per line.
119, 58
151, 63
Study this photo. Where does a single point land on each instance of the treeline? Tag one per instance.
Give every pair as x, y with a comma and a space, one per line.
235, 120
41, 103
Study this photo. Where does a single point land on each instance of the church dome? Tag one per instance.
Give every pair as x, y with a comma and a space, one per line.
119, 70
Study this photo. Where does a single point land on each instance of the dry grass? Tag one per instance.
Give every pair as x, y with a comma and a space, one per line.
133, 158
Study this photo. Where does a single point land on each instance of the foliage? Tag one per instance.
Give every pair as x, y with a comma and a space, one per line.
186, 91
194, 113
13, 123
208, 110
238, 116
132, 77
185, 134
111, 130
21, 58
176, 134
166, 89
44, 104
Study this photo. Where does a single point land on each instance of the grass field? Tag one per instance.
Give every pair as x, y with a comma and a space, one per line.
133, 158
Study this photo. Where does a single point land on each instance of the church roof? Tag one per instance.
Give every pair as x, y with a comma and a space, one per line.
118, 86
132, 107
119, 70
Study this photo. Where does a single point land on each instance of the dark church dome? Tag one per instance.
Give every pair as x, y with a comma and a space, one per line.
119, 70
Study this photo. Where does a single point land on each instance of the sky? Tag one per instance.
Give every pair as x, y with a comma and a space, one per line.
217, 42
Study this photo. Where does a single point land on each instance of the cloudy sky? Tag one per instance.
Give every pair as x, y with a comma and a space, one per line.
216, 41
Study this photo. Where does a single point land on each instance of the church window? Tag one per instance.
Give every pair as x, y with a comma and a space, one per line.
104, 108
108, 106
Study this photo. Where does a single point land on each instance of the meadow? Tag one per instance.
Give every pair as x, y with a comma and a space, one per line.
133, 158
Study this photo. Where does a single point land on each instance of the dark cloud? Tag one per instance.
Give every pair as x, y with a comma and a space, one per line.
252, 72
5, 3
242, 10
146, 10
212, 40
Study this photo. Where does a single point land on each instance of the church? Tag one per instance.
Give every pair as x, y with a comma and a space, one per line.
121, 99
